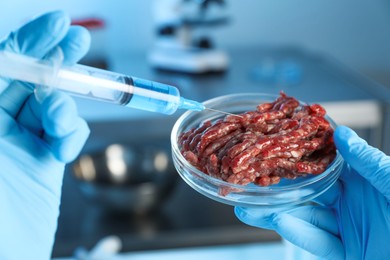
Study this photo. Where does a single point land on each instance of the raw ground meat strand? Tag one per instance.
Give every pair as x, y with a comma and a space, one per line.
214, 132
187, 137
219, 143
280, 139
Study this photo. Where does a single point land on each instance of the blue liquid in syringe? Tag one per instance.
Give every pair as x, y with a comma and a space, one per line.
157, 97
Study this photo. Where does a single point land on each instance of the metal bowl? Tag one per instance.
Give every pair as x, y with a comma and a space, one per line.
127, 178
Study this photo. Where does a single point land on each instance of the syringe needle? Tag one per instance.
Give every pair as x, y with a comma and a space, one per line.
222, 112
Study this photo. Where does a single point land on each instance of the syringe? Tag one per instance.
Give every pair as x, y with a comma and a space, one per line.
97, 84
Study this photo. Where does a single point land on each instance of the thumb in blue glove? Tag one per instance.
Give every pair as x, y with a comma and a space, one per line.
351, 220
36, 141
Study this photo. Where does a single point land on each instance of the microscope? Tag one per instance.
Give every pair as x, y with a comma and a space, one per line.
184, 31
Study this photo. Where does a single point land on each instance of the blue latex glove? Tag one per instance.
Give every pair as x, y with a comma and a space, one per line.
36, 141
352, 220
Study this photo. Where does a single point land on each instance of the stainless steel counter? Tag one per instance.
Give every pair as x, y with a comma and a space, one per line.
187, 219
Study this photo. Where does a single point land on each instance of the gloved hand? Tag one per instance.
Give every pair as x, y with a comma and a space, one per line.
36, 141
352, 220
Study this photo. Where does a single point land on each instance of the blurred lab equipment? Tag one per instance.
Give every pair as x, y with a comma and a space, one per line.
277, 72
127, 178
93, 83
183, 42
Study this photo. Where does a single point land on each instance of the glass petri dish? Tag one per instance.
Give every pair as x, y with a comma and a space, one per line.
284, 194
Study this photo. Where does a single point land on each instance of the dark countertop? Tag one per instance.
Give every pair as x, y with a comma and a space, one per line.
187, 218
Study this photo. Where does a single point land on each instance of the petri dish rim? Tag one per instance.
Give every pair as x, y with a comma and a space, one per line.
296, 184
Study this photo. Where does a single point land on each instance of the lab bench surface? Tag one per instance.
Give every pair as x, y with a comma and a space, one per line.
188, 219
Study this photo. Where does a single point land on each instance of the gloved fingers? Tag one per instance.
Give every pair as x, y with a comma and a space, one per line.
38, 36
298, 229
330, 196
13, 97
8, 124
64, 131
35, 38
319, 216
30, 116
4, 83
256, 217
71, 49
48, 30
75, 44
308, 236
368, 161
67, 148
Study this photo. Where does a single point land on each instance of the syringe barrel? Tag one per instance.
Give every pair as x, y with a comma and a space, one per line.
154, 96
103, 85
94, 83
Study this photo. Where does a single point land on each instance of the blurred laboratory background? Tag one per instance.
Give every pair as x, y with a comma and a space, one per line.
336, 53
